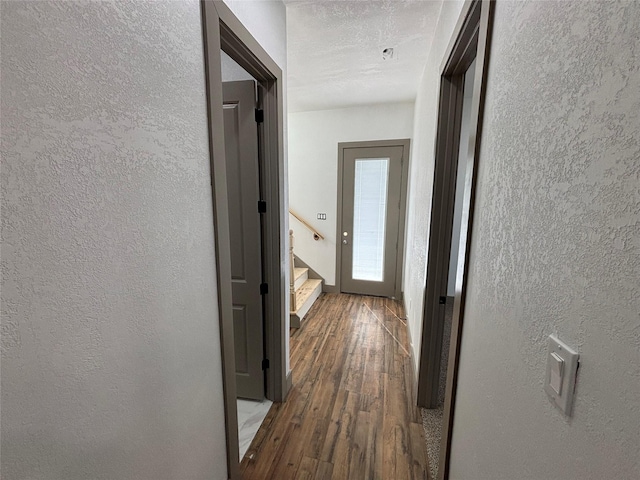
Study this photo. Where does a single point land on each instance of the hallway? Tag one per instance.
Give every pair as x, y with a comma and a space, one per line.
349, 414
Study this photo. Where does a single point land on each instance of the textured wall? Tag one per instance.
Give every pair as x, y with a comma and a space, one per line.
421, 175
556, 248
110, 343
313, 172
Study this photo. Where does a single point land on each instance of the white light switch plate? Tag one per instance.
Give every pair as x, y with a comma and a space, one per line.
562, 368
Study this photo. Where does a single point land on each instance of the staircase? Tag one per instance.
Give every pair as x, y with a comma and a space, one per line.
303, 290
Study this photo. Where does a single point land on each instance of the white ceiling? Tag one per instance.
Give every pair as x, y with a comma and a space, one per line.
334, 51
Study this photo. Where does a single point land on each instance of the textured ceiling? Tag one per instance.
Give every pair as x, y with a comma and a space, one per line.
334, 56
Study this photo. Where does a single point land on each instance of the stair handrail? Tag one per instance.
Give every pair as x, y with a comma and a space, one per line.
292, 273
316, 235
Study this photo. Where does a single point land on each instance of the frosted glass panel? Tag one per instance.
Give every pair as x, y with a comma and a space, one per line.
369, 218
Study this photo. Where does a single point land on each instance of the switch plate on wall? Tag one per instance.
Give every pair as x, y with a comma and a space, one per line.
322, 216
562, 368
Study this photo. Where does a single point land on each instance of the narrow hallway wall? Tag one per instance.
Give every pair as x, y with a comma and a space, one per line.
555, 247
555, 244
110, 344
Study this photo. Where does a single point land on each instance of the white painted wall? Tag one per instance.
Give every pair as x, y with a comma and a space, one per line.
313, 169
555, 243
110, 342
556, 248
266, 20
111, 362
231, 71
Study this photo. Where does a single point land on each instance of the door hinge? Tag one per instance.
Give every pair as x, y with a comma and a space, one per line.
262, 206
443, 300
265, 363
264, 288
259, 115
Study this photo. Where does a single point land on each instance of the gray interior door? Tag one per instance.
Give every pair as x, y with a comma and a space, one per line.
241, 147
371, 210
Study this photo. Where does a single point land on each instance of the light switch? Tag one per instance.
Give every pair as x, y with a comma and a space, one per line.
557, 364
562, 368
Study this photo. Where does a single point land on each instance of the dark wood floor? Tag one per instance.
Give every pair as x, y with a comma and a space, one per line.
349, 414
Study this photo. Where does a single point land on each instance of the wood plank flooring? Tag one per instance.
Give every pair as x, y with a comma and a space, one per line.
349, 415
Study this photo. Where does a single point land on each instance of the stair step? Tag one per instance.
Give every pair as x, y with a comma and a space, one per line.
300, 275
305, 296
307, 290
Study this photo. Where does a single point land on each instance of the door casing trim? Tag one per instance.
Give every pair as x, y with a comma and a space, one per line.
406, 144
222, 30
470, 40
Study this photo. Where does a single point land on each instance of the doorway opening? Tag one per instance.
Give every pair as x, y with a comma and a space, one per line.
223, 32
372, 196
462, 87
242, 98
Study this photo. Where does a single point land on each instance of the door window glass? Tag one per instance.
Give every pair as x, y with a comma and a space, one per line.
369, 218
